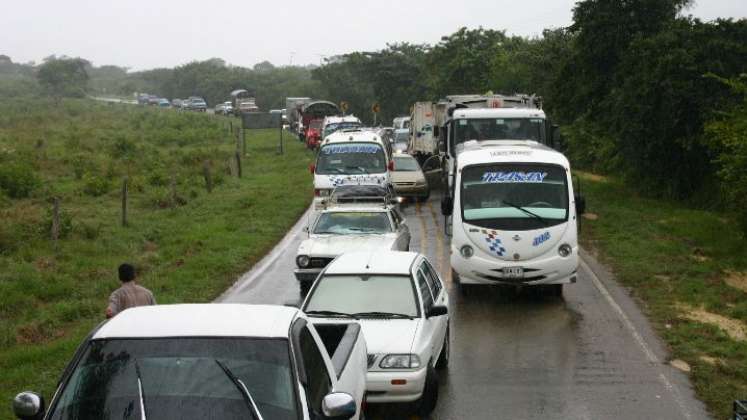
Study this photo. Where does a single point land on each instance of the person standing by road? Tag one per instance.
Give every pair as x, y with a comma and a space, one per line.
130, 294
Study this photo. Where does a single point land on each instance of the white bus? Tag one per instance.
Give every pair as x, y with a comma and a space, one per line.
514, 217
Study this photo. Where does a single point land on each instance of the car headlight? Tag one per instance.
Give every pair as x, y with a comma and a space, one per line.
400, 361
303, 261
565, 250
467, 251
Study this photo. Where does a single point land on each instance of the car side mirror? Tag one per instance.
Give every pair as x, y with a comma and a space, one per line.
447, 206
338, 406
580, 204
28, 406
437, 310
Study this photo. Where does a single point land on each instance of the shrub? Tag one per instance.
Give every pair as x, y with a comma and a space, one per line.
66, 223
95, 185
18, 179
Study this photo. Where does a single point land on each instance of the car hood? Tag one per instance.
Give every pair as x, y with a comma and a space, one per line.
334, 245
407, 176
386, 336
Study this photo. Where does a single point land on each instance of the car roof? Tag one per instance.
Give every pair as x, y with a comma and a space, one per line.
200, 320
375, 262
498, 113
338, 119
504, 151
353, 136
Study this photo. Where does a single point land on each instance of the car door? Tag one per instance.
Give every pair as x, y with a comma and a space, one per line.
441, 297
429, 325
403, 231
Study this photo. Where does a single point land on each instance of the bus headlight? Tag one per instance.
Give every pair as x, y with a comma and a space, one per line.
302, 261
467, 251
565, 250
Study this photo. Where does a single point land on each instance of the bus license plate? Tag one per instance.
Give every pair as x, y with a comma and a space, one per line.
513, 272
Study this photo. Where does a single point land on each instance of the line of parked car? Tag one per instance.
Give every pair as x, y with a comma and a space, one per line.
193, 103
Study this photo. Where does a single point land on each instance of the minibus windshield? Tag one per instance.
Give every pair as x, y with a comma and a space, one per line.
351, 159
514, 196
499, 129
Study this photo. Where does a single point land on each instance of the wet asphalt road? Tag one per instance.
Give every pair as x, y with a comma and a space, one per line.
587, 355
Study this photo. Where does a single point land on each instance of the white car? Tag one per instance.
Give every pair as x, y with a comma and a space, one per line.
402, 305
349, 227
217, 361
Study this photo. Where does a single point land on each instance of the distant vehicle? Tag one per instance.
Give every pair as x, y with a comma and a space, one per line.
142, 98
402, 306
164, 103
227, 108
208, 361
293, 108
408, 178
242, 101
423, 138
334, 123
401, 129
315, 110
314, 134
153, 100
197, 104
219, 109
176, 103
349, 157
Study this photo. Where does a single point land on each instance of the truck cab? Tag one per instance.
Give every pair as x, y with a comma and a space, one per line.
227, 361
514, 216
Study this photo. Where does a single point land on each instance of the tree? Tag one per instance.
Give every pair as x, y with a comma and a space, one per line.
64, 77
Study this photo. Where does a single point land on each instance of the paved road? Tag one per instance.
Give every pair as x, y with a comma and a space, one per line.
588, 355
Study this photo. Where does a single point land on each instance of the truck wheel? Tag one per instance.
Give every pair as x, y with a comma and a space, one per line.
427, 402
443, 358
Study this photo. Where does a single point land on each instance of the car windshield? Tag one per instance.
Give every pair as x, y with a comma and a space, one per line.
181, 378
353, 294
514, 196
405, 164
332, 127
499, 129
351, 158
354, 222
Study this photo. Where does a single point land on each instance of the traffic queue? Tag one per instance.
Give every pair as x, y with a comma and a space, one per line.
373, 326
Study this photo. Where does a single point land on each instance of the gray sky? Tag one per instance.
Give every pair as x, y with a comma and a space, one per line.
144, 34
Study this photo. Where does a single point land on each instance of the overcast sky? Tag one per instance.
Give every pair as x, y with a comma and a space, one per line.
143, 34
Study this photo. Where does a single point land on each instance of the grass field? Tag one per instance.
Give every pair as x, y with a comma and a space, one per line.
689, 269
189, 245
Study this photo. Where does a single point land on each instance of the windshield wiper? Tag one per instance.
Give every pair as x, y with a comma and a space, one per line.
360, 168
330, 313
140, 392
535, 215
377, 314
242, 389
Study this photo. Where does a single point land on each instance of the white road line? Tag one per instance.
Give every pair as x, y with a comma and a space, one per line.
638, 338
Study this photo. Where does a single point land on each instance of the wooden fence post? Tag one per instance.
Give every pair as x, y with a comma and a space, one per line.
124, 201
207, 176
56, 219
238, 163
243, 141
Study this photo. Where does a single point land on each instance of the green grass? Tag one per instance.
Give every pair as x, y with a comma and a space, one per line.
187, 249
671, 256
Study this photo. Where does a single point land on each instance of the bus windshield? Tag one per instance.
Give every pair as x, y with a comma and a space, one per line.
514, 196
351, 159
499, 129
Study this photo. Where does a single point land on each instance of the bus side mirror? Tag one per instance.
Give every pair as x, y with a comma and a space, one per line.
447, 206
580, 204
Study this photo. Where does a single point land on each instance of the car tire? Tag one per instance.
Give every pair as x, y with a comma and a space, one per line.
556, 290
443, 358
425, 405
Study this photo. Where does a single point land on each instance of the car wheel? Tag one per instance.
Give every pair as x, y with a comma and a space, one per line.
443, 358
556, 290
425, 405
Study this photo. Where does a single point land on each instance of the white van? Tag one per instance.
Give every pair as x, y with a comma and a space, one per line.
514, 216
350, 157
334, 123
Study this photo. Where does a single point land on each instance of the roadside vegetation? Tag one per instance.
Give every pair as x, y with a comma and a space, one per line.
188, 244
689, 269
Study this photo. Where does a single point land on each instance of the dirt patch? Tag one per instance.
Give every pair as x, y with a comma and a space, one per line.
45, 263
699, 256
149, 246
662, 277
590, 216
732, 327
36, 334
681, 365
595, 177
713, 361
736, 279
